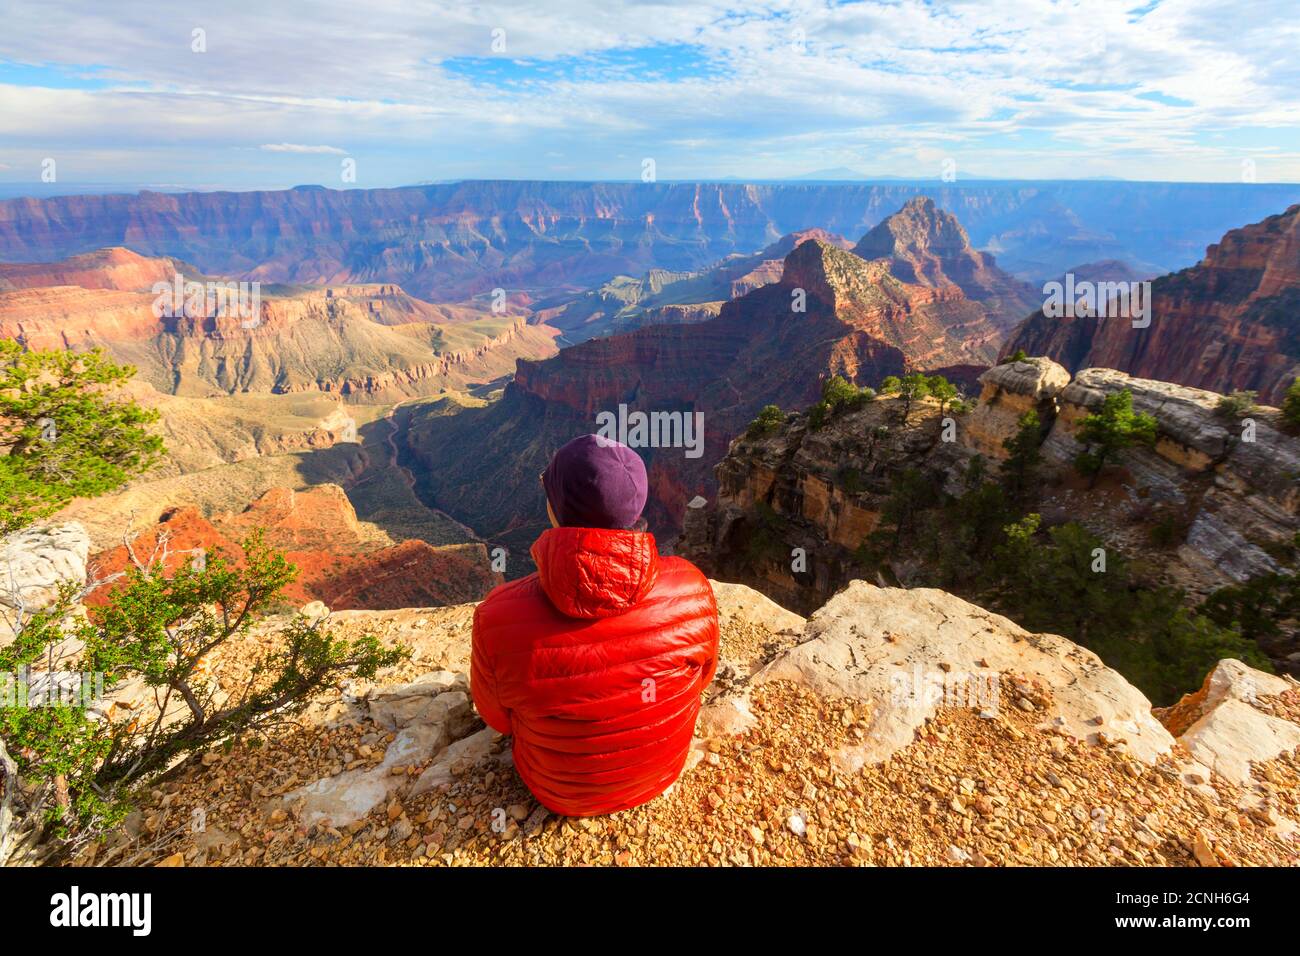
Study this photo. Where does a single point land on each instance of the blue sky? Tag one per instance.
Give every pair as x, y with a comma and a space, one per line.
248, 94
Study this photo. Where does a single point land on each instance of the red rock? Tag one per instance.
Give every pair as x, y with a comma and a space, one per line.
859, 321
926, 245
1226, 323
340, 561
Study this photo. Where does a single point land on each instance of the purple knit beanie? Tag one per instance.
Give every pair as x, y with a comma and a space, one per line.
595, 482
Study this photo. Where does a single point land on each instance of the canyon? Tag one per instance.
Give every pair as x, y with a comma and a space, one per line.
382, 424
831, 313
452, 241
1227, 323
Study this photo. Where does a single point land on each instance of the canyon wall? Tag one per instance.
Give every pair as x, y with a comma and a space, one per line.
1227, 323
449, 241
1227, 492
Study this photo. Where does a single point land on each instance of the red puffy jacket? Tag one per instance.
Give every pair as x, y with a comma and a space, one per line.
595, 664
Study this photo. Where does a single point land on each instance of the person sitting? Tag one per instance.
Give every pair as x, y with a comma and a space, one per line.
594, 664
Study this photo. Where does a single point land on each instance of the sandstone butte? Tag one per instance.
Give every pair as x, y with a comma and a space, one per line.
1224, 324
342, 561
859, 319
893, 727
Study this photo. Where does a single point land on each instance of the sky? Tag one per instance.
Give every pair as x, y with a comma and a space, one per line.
373, 93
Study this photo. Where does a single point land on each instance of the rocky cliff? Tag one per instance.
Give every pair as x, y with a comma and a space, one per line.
371, 343
1222, 493
892, 728
453, 240
926, 245
1225, 324
831, 313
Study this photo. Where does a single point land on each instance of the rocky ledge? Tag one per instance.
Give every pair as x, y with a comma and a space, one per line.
893, 727
1222, 491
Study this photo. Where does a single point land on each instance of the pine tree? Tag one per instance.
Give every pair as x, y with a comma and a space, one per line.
1110, 430
64, 432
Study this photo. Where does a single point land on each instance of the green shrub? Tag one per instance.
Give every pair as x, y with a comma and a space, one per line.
838, 394
66, 435
159, 628
1291, 406
63, 432
769, 419
1235, 405
1109, 430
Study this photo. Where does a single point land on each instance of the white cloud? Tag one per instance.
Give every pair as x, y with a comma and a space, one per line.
1021, 87
300, 148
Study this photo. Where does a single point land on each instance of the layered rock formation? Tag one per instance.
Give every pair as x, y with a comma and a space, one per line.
928, 246
1223, 490
892, 728
115, 268
343, 562
453, 240
624, 303
831, 313
370, 343
1225, 324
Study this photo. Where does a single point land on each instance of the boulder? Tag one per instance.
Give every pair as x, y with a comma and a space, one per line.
1222, 726
909, 652
36, 560
1035, 378
394, 711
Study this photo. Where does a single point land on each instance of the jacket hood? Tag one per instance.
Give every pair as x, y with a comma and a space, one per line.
595, 572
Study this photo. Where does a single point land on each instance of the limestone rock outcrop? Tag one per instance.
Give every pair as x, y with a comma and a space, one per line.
1007, 392
1224, 488
893, 727
35, 561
